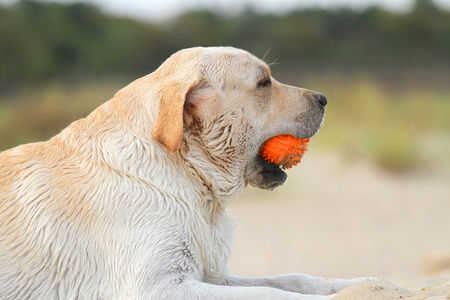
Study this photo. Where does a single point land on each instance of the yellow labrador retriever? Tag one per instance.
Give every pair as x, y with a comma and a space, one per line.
130, 202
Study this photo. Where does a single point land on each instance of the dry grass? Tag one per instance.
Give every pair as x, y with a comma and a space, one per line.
37, 114
401, 130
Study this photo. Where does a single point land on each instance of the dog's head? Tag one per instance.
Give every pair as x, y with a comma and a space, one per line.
222, 105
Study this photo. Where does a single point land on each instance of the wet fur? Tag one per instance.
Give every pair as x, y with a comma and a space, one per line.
130, 202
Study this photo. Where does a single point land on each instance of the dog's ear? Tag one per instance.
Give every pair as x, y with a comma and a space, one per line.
169, 125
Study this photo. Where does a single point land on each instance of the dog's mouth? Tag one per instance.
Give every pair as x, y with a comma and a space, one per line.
263, 174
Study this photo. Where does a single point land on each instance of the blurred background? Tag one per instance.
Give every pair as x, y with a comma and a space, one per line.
372, 195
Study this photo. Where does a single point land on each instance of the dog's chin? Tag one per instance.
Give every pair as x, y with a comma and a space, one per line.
264, 175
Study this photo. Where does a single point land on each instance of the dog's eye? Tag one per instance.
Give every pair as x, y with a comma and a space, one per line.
264, 82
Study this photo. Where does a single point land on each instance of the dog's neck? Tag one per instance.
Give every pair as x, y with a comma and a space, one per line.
217, 167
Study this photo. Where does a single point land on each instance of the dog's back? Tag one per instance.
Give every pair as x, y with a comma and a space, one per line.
46, 250
33, 226
66, 209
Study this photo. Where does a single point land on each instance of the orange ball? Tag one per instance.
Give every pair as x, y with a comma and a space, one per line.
284, 150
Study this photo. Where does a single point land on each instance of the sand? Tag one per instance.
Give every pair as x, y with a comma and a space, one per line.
388, 290
346, 220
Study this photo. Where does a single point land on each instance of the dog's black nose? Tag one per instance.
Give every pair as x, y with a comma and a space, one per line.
322, 99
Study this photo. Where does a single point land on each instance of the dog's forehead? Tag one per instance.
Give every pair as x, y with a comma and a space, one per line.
222, 60
227, 53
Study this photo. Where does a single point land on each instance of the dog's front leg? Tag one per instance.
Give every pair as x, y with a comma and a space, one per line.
298, 283
190, 288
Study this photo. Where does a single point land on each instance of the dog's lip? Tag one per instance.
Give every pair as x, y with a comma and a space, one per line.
269, 175
298, 133
278, 166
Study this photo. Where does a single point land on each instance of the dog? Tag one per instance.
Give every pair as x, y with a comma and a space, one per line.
130, 202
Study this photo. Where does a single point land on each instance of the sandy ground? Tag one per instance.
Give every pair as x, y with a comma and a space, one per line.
346, 220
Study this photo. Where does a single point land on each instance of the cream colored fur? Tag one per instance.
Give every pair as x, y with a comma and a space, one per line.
130, 202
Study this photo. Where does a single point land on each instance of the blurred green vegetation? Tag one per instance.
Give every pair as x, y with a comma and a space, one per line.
44, 40
386, 74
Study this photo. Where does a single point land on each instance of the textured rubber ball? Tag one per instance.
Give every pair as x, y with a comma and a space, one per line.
284, 150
